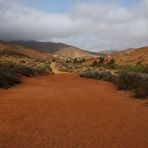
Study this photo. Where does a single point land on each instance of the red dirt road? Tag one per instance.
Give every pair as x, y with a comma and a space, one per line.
65, 111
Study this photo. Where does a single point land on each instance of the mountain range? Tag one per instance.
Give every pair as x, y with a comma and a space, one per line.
59, 49
46, 50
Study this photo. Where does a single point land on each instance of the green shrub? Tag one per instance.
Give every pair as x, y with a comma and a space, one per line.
111, 63
24, 70
75, 61
101, 60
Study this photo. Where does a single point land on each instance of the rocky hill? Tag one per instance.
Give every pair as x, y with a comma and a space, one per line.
10, 50
59, 49
131, 56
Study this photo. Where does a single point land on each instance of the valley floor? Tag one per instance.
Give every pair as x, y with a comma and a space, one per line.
66, 111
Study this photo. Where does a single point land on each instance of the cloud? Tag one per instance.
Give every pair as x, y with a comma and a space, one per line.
94, 26
19, 22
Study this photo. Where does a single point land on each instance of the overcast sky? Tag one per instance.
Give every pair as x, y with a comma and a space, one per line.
88, 24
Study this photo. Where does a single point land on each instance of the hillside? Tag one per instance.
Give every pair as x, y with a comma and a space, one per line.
131, 56
10, 51
59, 49
17, 61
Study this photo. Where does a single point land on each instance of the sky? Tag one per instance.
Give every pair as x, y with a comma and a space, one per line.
88, 24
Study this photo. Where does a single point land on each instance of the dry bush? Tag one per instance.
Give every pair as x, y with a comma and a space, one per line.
142, 90
10, 73
137, 83
126, 81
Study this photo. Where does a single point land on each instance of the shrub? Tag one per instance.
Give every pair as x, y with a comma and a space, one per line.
142, 90
8, 77
24, 70
126, 81
101, 60
10, 73
75, 61
101, 75
111, 63
22, 61
135, 68
132, 81
139, 68
95, 63
137, 83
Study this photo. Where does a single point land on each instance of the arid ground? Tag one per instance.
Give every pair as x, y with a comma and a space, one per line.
66, 111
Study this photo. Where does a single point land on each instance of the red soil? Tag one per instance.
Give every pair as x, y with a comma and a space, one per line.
130, 57
65, 111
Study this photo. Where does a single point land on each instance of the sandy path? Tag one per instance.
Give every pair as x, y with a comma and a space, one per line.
55, 70
65, 111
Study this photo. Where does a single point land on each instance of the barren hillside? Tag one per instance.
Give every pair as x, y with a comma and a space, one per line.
10, 51
131, 56
59, 49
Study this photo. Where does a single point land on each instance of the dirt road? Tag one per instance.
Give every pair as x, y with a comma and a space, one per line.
65, 111
55, 70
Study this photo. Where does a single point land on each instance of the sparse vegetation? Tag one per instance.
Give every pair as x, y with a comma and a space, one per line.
131, 68
100, 75
111, 63
12, 53
136, 82
8, 77
11, 72
127, 81
95, 63
101, 61
142, 90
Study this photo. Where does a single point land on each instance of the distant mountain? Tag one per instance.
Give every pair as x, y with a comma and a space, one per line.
130, 56
59, 49
108, 52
